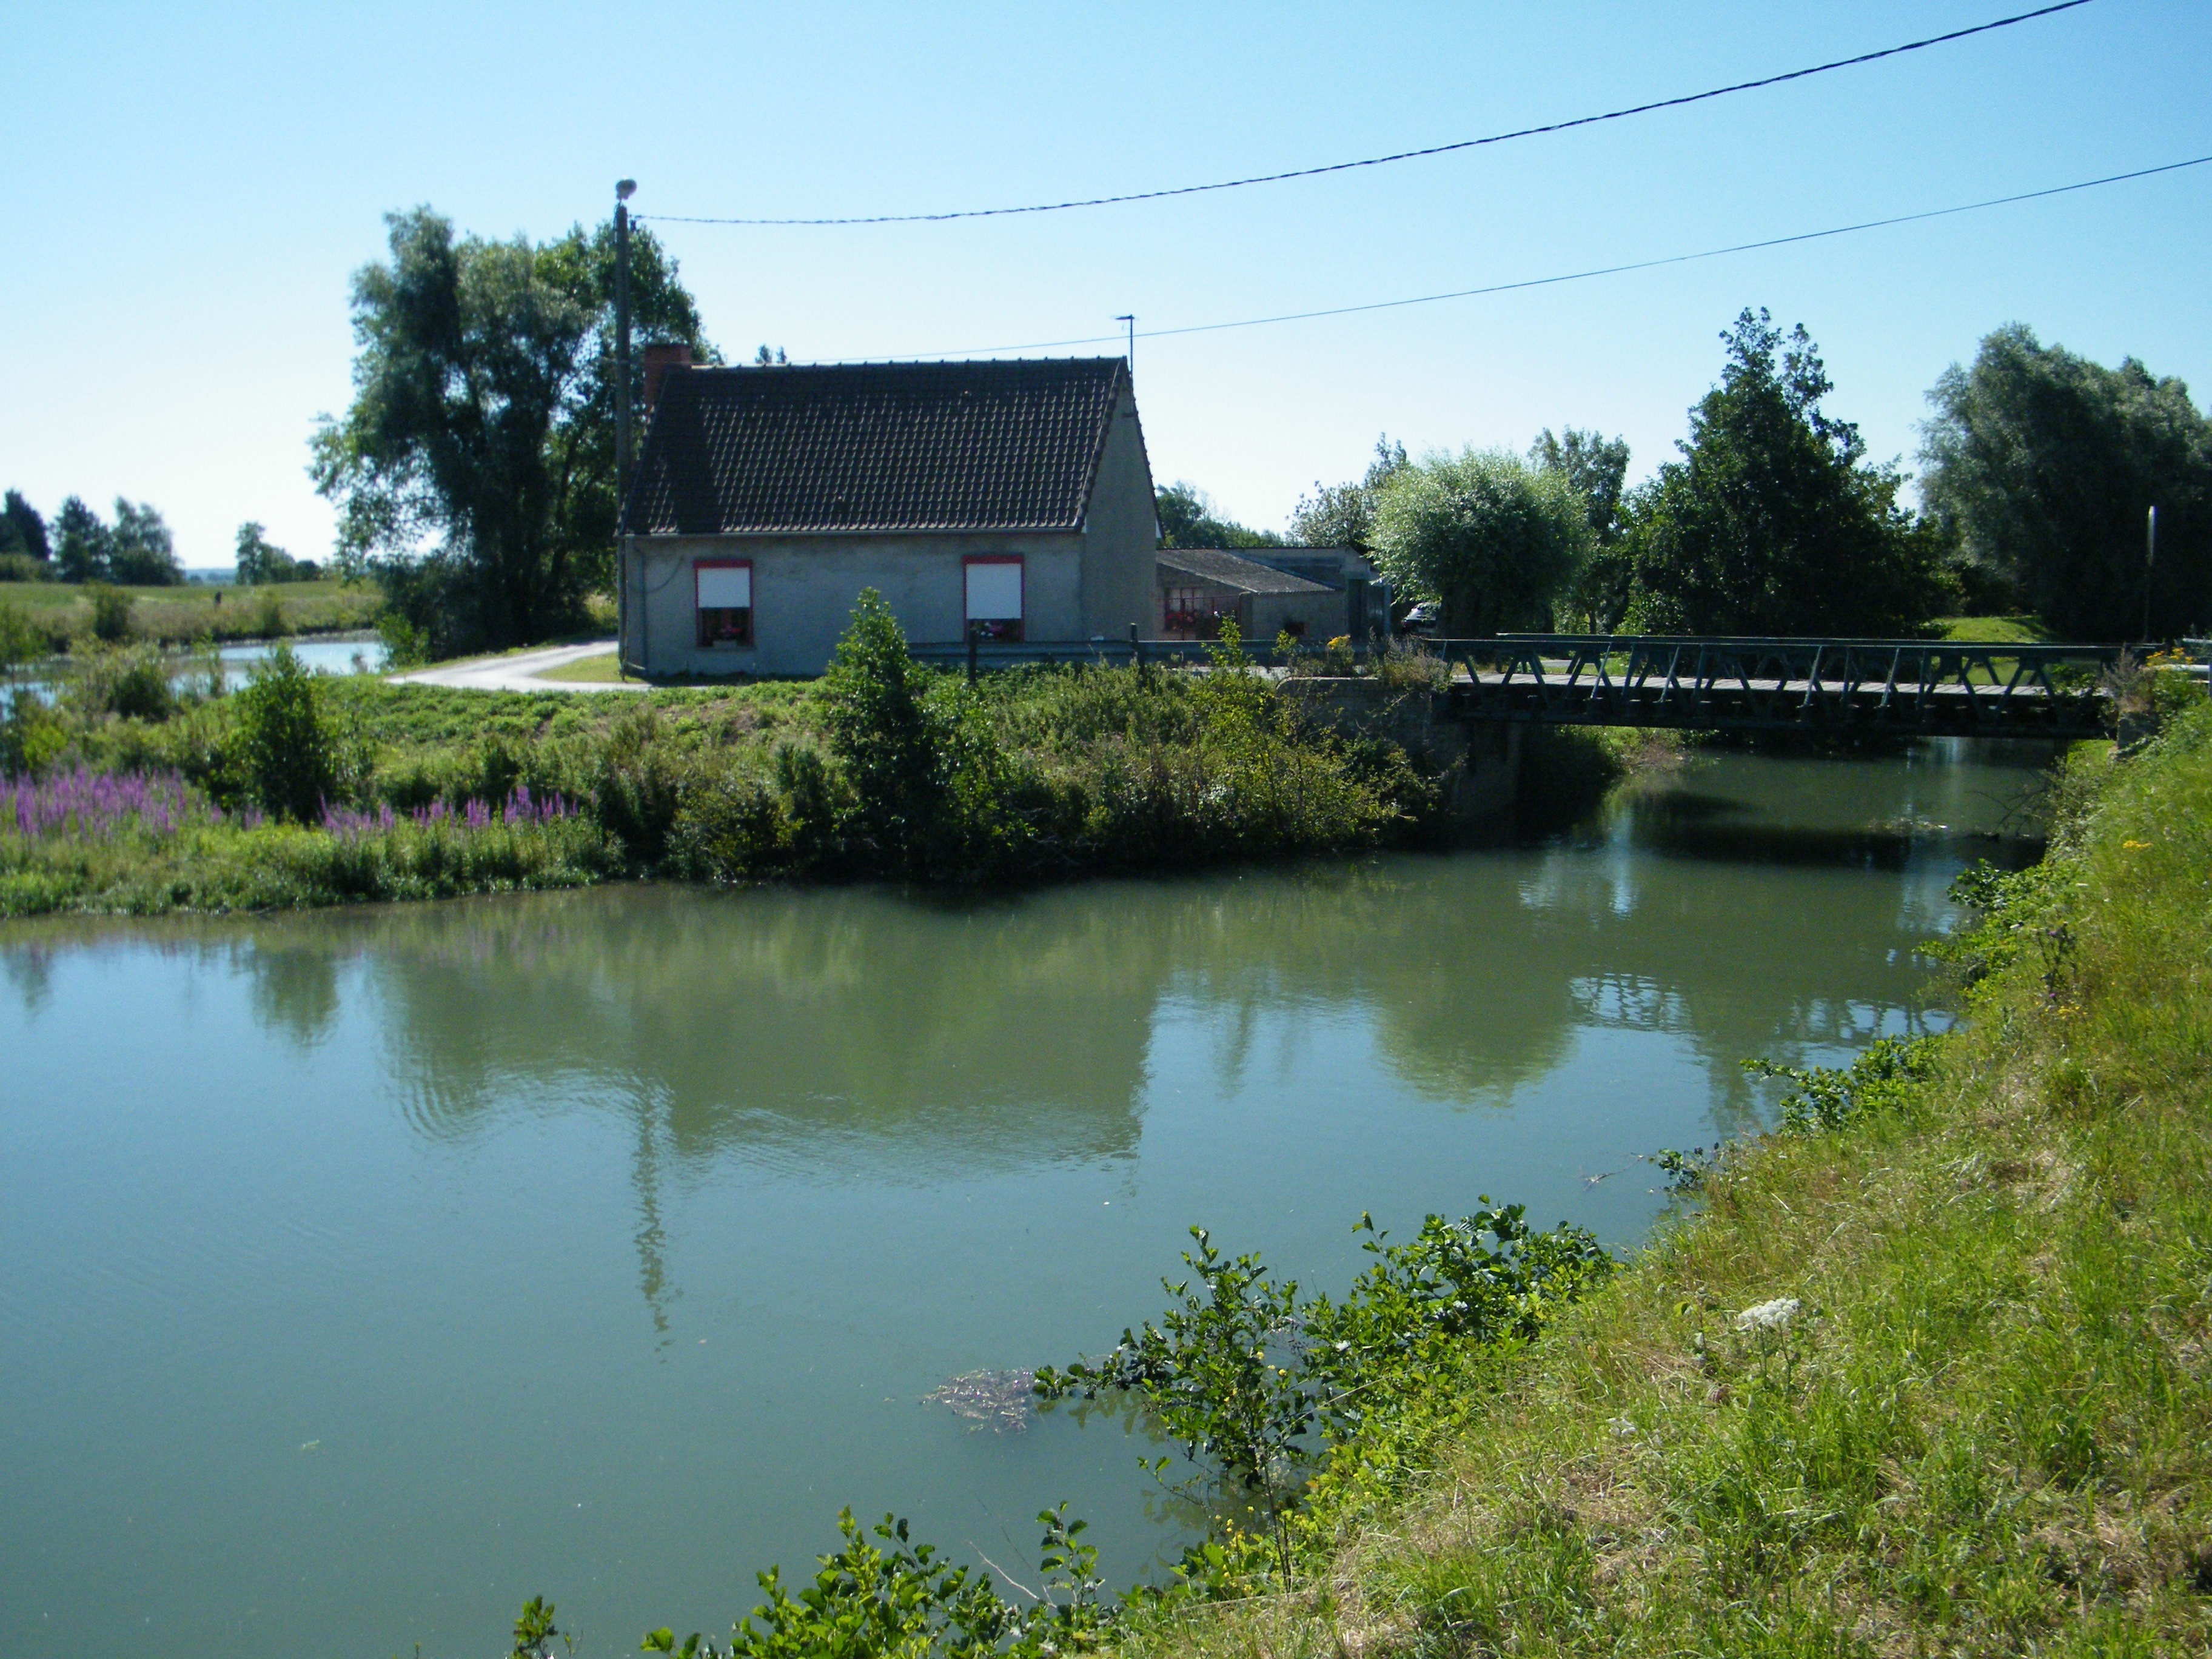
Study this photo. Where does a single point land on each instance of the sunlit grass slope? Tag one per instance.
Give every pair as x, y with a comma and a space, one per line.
1987, 1427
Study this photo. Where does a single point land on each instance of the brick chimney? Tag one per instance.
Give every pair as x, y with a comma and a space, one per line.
658, 360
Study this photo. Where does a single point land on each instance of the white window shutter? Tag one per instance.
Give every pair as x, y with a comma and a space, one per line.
994, 592
725, 588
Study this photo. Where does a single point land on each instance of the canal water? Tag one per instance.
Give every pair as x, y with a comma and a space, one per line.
328, 654
364, 1274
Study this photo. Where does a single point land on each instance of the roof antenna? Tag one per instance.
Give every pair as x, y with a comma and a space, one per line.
1130, 317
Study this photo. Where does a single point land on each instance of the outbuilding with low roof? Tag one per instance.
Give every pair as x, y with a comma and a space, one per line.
1309, 592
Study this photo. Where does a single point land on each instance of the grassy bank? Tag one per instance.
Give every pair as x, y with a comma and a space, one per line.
1970, 1414
329, 791
61, 614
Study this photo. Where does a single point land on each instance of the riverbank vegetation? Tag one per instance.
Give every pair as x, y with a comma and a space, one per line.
1922, 1371
301, 789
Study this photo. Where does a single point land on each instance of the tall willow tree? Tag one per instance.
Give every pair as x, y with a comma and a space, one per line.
475, 471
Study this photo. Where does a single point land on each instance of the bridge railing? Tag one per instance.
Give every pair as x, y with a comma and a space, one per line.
1750, 682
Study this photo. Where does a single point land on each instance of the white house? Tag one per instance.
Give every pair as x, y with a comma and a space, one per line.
1010, 498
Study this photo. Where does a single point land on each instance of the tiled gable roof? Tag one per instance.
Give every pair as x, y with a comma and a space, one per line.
888, 446
1226, 569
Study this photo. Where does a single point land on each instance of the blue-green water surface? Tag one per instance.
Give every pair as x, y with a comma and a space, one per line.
364, 1273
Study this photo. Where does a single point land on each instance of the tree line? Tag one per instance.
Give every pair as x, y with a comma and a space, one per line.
2038, 469
137, 550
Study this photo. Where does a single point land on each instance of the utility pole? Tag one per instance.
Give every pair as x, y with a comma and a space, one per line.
623, 188
622, 192
1130, 317
2150, 563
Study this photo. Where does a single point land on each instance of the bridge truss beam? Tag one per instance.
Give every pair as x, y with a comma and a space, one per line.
1905, 687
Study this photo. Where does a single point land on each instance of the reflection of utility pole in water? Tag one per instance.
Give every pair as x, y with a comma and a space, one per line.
2150, 561
652, 1242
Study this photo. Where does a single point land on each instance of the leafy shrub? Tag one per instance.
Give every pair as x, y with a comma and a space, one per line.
32, 737
1065, 710
133, 682
2174, 691
1828, 1097
1241, 1373
293, 749
887, 738
20, 642
23, 567
110, 613
639, 787
2018, 912
730, 828
269, 620
1411, 666
405, 645
903, 1601
143, 690
810, 801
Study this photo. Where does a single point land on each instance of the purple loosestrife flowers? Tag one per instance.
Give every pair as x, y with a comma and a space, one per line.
87, 805
519, 808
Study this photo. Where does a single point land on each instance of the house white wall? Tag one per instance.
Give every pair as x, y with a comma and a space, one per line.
1120, 534
804, 588
1079, 585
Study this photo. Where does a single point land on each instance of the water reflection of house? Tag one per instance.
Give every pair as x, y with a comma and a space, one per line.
1311, 593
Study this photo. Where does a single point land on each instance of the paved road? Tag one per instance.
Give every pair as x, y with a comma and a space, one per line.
519, 672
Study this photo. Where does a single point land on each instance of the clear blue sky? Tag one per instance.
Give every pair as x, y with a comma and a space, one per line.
190, 189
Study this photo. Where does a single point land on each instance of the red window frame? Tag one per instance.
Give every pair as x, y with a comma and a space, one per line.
700, 613
1002, 628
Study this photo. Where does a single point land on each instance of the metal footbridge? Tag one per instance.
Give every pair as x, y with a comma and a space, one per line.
1906, 686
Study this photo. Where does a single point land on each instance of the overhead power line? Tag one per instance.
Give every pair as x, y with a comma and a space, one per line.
1574, 276
1381, 160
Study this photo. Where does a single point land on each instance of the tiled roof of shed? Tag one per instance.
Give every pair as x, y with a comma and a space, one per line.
885, 447
1226, 569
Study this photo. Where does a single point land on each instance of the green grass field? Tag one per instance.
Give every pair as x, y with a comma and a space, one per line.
588, 671
2001, 630
179, 614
